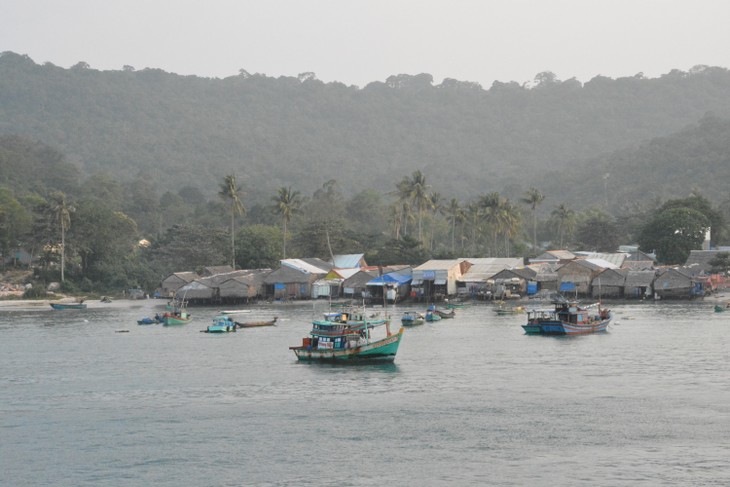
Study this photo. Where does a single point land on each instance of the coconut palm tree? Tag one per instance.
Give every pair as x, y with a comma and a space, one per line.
286, 204
454, 213
419, 196
566, 220
230, 192
490, 206
533, 198
61, 211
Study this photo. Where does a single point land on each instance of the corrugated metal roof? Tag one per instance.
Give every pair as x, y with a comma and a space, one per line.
303, 266
348, 260
437, 265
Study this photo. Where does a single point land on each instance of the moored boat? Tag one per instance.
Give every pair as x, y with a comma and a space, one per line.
254, 324
445, 314
150, 321
509, 310
349, 336
432, 316
68, 305
568, 318
720, 309
411, 318
221, 324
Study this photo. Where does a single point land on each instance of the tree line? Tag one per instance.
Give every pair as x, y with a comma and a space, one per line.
87, 236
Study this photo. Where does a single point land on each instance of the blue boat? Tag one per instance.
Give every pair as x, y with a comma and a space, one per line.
221, 324
568, 318
68, 305
412, 319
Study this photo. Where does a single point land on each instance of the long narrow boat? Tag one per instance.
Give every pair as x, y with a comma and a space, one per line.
568, 318
255, 324
509, 310
445, 314
68, 305
349, 336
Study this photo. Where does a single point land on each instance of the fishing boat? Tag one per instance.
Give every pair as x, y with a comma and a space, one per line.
177, 313
445, 314
411, 318
221, 324
453, 305
254, 324
68, 305
509, 310
349, 336
150, 321
720, 309
568, 318
432, 315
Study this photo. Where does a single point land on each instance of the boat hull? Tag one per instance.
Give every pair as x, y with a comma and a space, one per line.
379, 351
174, 321
68, 306
562, 328
221, 328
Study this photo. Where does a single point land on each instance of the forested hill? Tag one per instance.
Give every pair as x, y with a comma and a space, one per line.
272, 132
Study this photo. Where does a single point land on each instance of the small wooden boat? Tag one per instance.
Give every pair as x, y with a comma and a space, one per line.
452, 305
568, 318
254, 324
412, 319
68, 305
510, 310
432, 316
349, 336
150, 321
445, 314
176, 318
221, 324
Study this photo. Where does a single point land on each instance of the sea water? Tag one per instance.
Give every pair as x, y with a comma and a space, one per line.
90, 398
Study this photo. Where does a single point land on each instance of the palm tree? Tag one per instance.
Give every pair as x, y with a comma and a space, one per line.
402, 204
286, 204
510, 223
454, 212
229, 191
62, 213
533, 198
490, 206
435, 204
418, 193
566, 220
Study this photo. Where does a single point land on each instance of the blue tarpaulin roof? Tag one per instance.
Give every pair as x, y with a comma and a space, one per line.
389, 279
567, 286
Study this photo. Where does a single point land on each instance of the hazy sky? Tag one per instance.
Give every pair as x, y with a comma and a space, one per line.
359, 41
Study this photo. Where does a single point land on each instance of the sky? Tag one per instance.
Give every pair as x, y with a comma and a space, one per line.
360, 41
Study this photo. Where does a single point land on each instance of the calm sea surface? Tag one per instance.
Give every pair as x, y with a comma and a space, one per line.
469, 401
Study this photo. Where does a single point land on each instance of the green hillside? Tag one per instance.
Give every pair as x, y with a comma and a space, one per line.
177, 130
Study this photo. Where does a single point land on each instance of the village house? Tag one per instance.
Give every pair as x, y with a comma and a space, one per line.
295, 278
609, 284
175, 281
474, 282
355, 286
436, 279
639, 284
676, 283
510, 283
576, 276
391, 286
